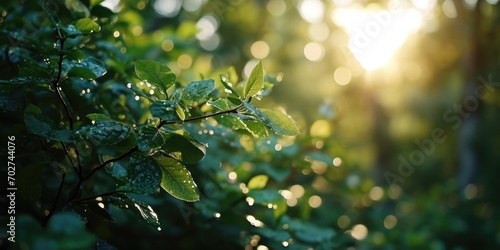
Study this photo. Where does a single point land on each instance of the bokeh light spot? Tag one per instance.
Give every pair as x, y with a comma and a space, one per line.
311, 10
315, 201
359, 232
259, 49
276, 7
342, 76
314, 51
390, 221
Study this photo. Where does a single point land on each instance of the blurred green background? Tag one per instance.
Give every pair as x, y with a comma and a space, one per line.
398, 103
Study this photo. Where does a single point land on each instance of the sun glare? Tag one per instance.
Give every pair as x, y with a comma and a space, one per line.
376, 34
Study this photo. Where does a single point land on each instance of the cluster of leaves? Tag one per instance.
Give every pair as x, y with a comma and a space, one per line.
87, 155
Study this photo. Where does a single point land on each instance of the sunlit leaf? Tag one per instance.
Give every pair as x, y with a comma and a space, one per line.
98, 117
86, 26
180, 112
228, 86
177, 180
255, 81
258, 182
197, 90
275, 120
155, 73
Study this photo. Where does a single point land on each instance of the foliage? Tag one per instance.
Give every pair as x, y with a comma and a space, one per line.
132, 130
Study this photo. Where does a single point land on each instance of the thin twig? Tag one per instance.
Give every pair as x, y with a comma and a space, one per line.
56, 200
234, 110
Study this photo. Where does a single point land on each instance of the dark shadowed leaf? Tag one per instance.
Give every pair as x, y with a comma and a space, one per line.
149, 138
143, 175
182, 149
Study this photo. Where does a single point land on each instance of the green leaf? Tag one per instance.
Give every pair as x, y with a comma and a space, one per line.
228, 85
166, 110
177, 180
98, 117
278, 122
265, 196
69, 231
142, 209
50, 12
108, 131
275, 235
258, 182
255, 82
308, 232
89, 68
221, 104
81, 72
281, 123
180, 112
143, 175
38, 124
86, 26
8, 103
197, 90
26, 80
149, 138
182, 149
155, 73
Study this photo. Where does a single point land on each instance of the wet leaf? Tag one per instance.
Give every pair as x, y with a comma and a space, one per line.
108, 131
177, 180
255, 82
155, 73
143, 175
149, 138
197, 90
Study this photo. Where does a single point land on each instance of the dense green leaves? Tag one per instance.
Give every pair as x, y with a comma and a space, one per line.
177, 180
155, 73
255, 81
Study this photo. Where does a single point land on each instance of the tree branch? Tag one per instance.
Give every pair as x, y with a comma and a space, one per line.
58, 195
233, 110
